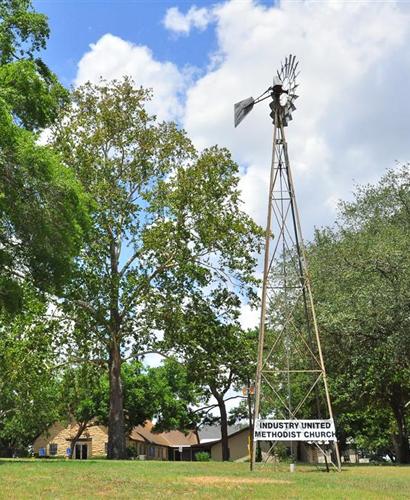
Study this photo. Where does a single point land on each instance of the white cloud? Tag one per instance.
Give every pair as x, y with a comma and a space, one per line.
351, 122
181, 24
249, 317
112, 58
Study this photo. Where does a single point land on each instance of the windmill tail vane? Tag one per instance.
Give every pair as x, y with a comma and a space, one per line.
291, 381
282, 92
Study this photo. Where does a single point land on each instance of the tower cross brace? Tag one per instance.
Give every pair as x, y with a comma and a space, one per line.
291, 381
287, 353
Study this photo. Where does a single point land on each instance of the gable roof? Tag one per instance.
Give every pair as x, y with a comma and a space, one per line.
230, 435
210, 433
140, 433
170, 438
178, 438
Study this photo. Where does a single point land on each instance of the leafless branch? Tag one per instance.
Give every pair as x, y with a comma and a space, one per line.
142, 354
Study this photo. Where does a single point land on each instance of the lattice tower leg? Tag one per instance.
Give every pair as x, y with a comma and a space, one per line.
294, 286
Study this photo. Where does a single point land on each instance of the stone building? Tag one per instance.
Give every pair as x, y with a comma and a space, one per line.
142, 441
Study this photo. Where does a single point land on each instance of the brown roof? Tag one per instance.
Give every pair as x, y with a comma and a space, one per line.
171, 438
178, 438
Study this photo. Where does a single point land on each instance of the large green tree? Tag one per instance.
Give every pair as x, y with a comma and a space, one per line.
361, 278
218, 354
82, 397
42, 208
29, 389
173, 394
164, 392
168, 223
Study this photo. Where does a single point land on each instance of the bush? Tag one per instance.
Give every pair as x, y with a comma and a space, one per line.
202, 456
132, 452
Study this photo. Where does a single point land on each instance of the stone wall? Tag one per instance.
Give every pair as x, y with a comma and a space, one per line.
95, 437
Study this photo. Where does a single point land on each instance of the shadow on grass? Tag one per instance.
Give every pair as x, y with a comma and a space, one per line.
49, 461
300, 469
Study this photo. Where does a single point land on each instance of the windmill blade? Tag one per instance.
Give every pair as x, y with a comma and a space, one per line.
285, 66
289, 64
291, 107
282, 73
242, 108
292, 64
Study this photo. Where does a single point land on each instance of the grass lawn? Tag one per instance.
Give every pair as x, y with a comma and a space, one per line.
102, 479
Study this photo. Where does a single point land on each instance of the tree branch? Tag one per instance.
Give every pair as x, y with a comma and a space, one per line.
155, 273
160, 353
98, 362
128, 263
216, 404
88, 307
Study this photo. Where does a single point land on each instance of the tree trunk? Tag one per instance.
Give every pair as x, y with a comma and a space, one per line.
116, 426
401, 439
81, 428
224, 429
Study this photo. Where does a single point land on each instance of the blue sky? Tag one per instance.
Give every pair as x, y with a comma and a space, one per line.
75, 24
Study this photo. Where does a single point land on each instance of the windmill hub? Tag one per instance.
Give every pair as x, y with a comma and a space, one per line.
282, 93
277, 88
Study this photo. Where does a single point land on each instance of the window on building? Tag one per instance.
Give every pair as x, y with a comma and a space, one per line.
53, 449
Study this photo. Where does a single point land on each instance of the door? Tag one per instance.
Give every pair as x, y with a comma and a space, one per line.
81, 451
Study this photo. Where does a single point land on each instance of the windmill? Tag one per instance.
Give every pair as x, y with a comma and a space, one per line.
292, 395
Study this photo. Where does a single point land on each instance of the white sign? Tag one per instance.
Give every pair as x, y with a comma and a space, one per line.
295, 430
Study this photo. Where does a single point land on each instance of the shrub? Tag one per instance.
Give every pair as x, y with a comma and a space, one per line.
202, 456
132, 452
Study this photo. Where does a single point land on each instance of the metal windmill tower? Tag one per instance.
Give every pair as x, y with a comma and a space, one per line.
291, 378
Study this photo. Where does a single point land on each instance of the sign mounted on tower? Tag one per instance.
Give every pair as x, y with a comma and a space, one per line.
295, 430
